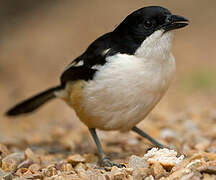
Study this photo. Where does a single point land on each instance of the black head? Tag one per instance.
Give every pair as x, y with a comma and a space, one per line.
145, 21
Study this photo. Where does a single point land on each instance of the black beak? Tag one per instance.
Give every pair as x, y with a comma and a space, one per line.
175, 22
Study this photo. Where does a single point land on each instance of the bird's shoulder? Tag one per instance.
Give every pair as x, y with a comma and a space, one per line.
83, 67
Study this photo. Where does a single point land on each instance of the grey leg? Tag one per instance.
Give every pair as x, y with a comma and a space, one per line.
143, 134
97, 142
104, 160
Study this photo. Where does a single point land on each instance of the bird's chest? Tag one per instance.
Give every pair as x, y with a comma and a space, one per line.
124, 91
125, 77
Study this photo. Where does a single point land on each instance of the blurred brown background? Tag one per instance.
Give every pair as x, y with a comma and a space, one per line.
39, 38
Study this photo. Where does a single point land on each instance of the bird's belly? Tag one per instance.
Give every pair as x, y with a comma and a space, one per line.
116, 111
111, 109
119, 96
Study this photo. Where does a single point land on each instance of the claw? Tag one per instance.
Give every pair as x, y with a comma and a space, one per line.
105, 162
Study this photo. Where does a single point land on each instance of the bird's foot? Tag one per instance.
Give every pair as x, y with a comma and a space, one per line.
105, 162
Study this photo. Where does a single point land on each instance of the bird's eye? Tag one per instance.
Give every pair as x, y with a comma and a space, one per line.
148, 24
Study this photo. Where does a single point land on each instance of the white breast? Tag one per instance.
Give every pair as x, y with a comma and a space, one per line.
126, 89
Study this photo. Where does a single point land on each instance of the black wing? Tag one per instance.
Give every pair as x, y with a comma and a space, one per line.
82, 68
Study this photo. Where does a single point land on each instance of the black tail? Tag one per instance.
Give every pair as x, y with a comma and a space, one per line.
33, 103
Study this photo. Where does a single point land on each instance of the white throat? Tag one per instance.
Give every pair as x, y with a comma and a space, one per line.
157, 46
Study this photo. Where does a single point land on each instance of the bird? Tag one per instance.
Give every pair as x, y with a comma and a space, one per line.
120, 77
